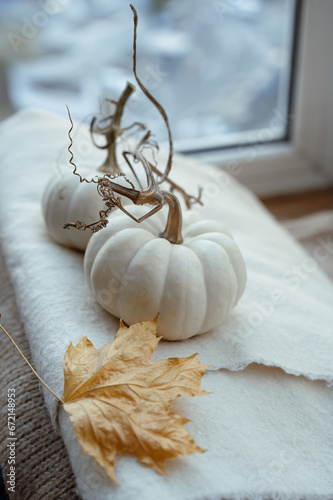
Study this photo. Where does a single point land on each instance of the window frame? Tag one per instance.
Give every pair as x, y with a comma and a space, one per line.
305, 159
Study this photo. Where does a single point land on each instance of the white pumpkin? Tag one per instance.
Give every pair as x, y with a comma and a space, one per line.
136, 275
66, 199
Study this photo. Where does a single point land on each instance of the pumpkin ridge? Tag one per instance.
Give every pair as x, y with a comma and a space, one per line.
200, 225
167, 272
205, 283
105, 249
188, 286
201, 330
124, 274
227, 307
235, 257
142, 249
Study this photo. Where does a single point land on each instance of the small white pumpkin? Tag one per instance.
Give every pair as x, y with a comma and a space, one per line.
66, 199
136, 275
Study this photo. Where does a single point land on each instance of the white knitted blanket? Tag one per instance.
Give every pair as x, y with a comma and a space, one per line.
267, 433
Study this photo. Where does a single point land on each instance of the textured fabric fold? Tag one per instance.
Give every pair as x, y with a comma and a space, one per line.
43, 470
268, 434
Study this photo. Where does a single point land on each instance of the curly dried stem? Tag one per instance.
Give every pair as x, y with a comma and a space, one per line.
71, 162
107, 189
111, 175
154, 196
152, 99
189, 198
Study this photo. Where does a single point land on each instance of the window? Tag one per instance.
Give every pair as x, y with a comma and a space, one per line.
245, 82
304, 160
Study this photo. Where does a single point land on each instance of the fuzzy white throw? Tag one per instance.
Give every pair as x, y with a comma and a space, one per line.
267, 433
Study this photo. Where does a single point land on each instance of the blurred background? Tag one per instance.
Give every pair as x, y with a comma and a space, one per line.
223, 69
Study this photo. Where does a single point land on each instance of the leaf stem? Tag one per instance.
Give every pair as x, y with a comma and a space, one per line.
31, 368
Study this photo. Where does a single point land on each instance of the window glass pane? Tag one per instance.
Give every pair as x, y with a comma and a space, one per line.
221, 68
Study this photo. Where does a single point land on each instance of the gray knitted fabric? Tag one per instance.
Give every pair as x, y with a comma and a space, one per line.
43, 470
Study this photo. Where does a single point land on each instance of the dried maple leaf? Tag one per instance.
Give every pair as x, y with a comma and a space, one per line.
118, 400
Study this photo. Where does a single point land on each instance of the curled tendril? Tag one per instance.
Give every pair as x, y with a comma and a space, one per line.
108, 189
97, 179
72, 155
104, 190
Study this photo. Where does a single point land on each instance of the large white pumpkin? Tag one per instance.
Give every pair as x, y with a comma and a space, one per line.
136, 275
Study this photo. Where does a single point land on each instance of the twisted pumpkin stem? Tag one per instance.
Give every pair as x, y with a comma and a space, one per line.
173, 228
112, 131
